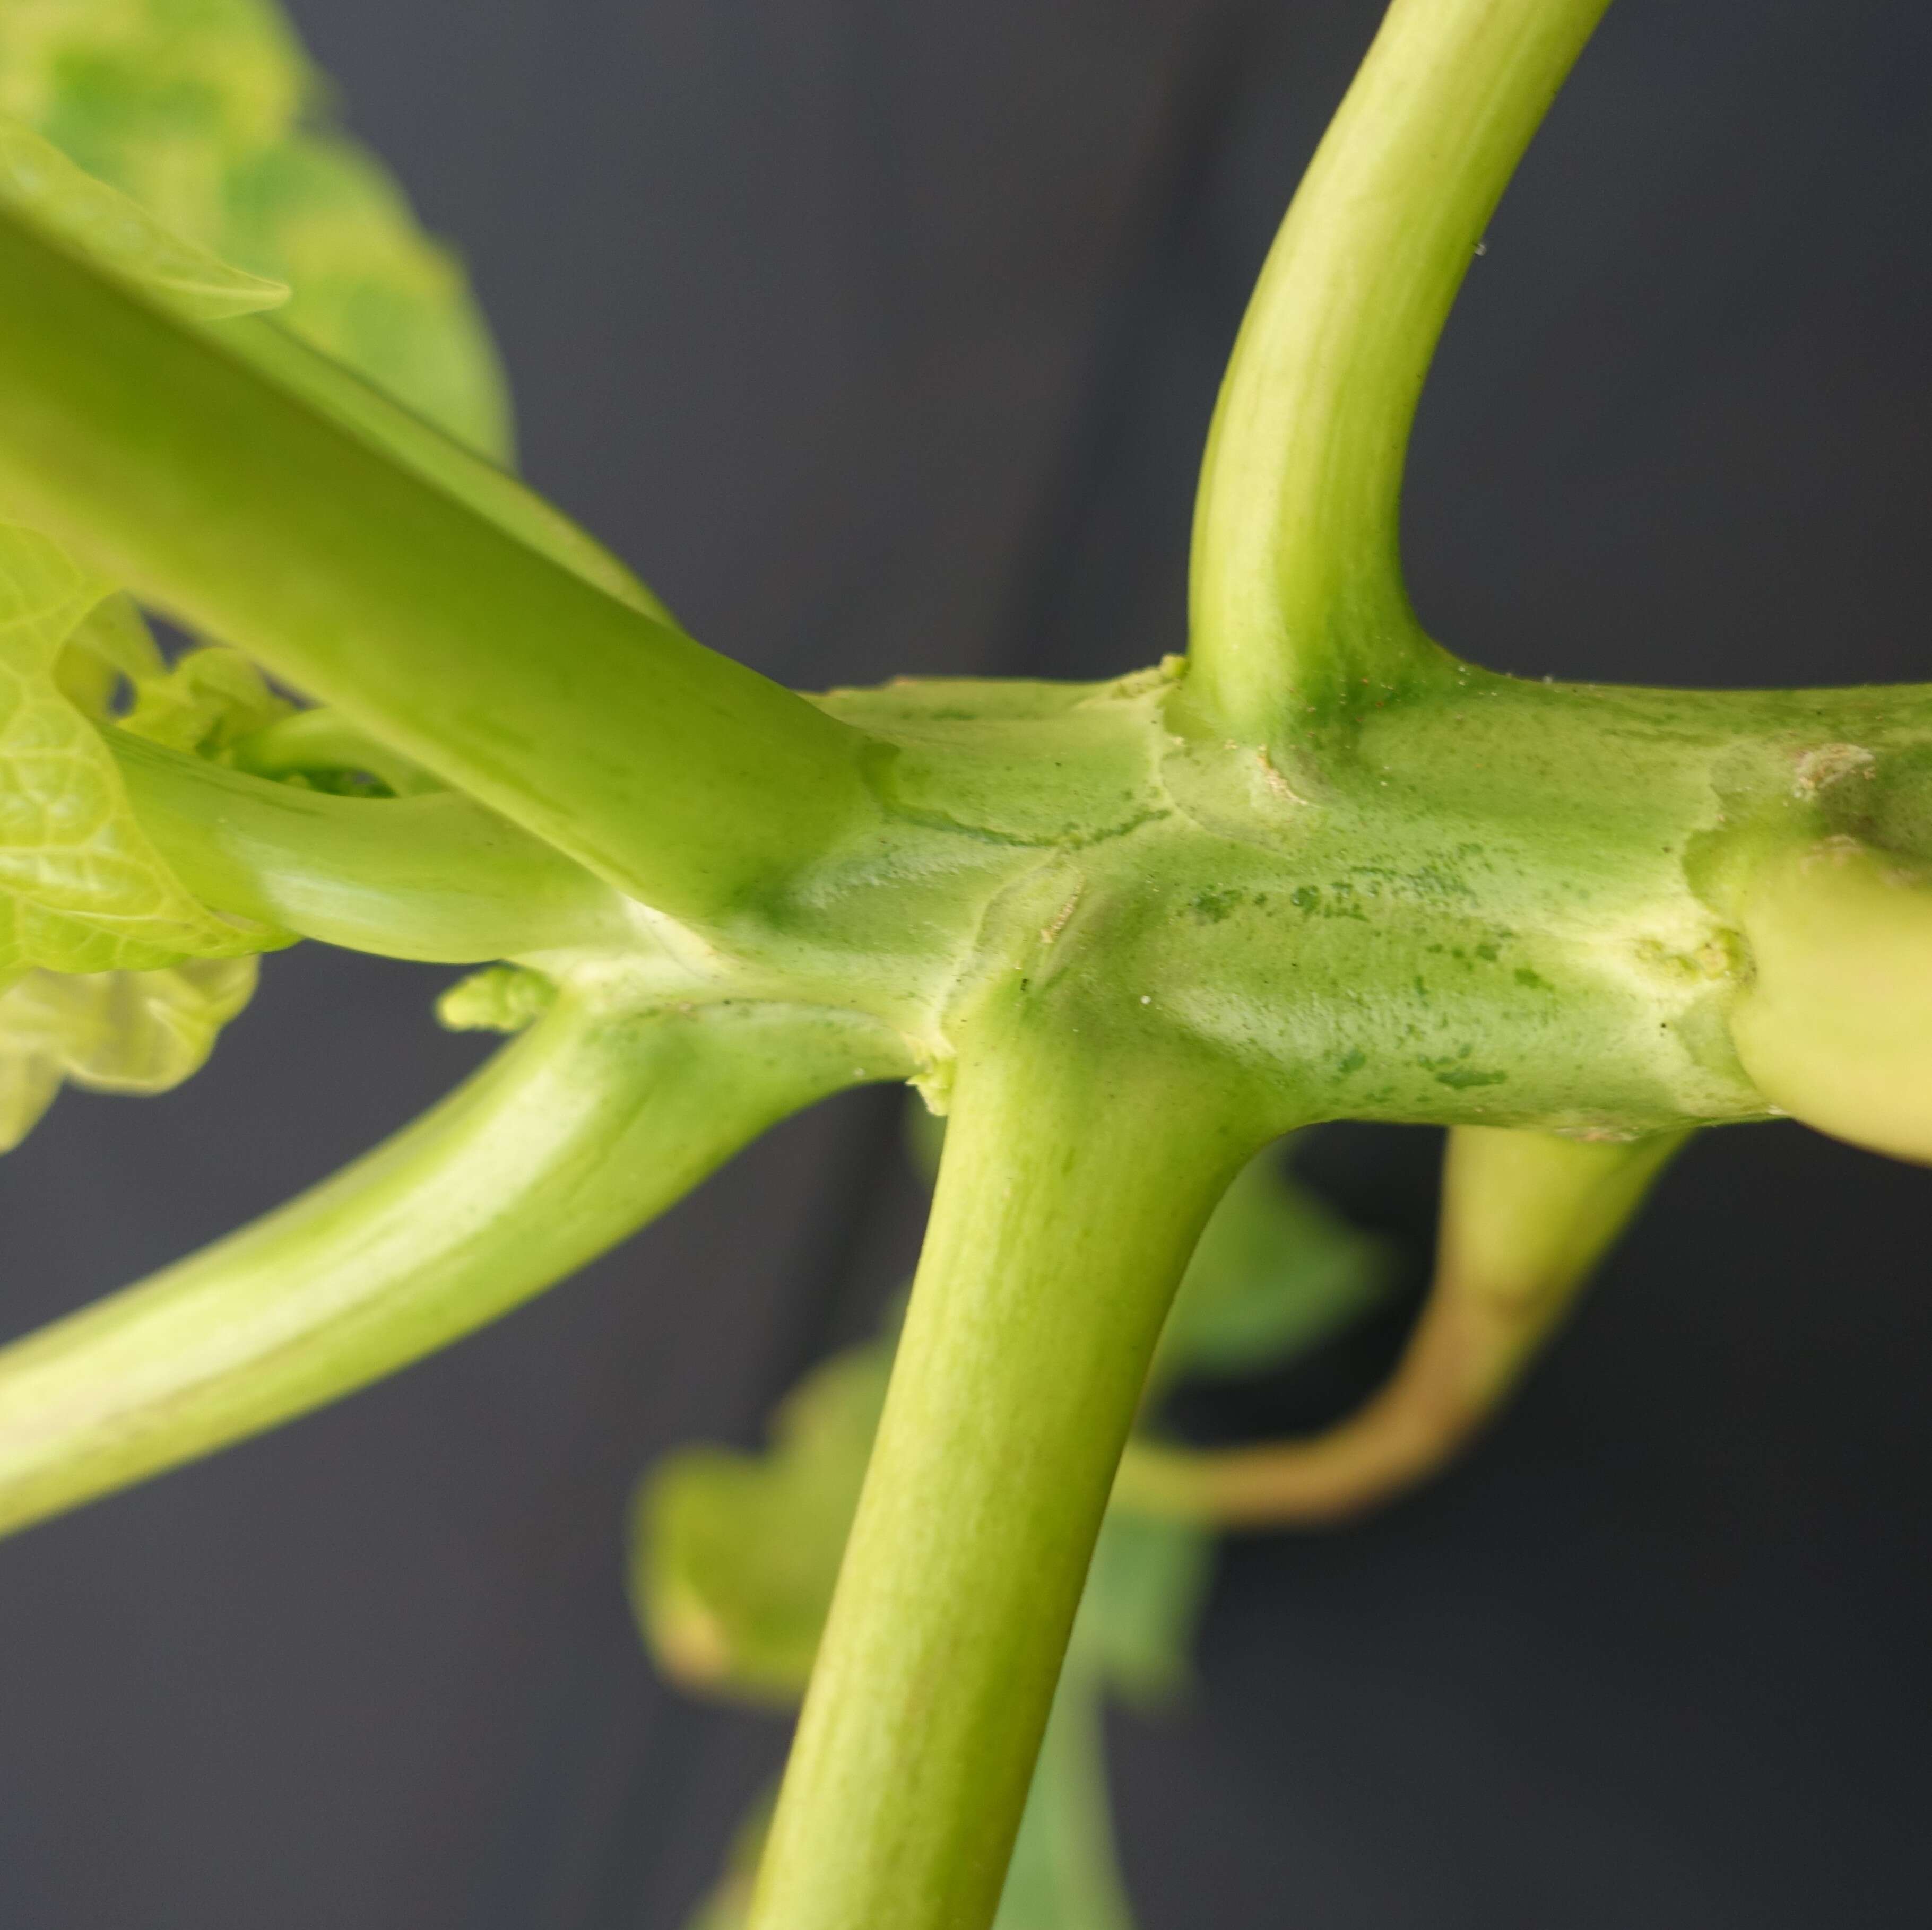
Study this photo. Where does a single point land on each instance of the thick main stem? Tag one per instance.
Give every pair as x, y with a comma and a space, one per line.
249, 510
1070, 1197
1297, 593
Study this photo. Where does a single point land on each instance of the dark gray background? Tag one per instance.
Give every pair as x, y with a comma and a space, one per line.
881, 334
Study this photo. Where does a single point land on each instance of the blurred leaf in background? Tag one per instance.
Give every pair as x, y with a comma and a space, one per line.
110, 1031
208, 113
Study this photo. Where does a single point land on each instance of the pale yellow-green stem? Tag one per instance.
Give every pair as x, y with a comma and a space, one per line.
1525, 1217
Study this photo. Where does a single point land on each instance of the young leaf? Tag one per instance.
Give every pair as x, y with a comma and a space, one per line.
117, 233
735, 1555
196, 110
371, 290
82, 888
211, 699
110, 1031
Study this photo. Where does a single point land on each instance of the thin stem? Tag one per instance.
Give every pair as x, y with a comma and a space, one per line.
1297, 592
1068, 1198
438, 878
1525, 1217
682, 777
569, 1139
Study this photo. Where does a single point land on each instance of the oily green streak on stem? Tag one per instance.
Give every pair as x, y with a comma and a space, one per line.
682, 776
1296, 588
438, 878
571, 1138
1070, 1195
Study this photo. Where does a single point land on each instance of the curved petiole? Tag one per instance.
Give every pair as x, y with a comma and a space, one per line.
1525, 1217
1297, 595
322, 743
438, 878
572, 1138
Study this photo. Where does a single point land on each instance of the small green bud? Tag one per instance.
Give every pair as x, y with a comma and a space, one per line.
500, 998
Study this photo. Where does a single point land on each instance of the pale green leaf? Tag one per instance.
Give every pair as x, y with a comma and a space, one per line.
736, 1554
82, 888
203, 111
115, 232
110, 1031
370, 289
212, 699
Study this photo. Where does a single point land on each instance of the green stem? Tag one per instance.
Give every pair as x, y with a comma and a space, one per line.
1068, 1198
682, 777
438, 878
1297, 590
569, 1139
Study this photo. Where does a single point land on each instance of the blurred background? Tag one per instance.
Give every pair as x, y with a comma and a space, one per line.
882, 337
